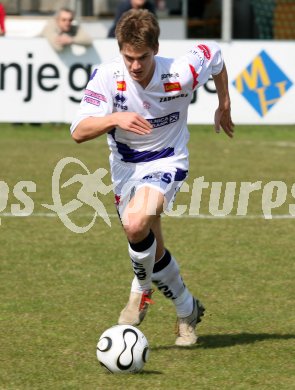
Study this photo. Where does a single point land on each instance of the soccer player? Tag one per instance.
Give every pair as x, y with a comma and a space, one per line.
141, 100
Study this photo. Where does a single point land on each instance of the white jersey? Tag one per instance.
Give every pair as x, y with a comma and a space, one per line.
164, 103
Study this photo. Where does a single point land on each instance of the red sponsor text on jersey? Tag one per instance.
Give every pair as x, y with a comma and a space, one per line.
91, 100
121, 85
170, 87
195, 76
95, 95
206, 51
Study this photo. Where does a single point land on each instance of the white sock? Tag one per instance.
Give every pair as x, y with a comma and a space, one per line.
184, 304
142, 256
169, 281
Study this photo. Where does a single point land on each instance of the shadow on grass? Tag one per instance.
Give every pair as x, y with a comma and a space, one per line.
229, 340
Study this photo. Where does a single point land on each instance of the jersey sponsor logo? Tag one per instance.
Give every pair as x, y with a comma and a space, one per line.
173, 117
169, 98
95, 95
206, 51
170, 87
118, 74
146, 105
197, 53
118, 105
164, 120
120, 99
169, 75
262, 83
166, 177
195, 76
91, 100
121, 85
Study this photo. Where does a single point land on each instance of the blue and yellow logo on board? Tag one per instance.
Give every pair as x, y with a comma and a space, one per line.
262, 83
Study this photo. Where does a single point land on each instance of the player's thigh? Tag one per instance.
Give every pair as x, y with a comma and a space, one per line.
143, 209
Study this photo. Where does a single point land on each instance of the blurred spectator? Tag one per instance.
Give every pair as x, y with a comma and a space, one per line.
161, 5
125, 6
62, 32
2, 19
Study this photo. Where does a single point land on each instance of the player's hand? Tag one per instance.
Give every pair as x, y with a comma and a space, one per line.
131, 121
222, 119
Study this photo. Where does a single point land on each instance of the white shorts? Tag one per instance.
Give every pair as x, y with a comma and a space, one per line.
163, 175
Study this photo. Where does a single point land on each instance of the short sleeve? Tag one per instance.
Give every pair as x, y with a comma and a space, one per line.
204, 60
96, 98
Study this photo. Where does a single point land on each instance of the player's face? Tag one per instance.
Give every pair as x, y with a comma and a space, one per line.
140, 63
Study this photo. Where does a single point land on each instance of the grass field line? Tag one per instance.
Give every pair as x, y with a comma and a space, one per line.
183, 216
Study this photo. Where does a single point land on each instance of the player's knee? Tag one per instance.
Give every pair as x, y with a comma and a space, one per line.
136, 229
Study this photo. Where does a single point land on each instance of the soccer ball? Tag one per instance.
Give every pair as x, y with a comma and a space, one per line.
122, 349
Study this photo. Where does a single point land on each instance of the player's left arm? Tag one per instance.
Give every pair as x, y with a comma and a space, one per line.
222, 118
206, 60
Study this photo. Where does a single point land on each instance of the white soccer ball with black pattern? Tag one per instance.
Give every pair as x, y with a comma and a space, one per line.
122, 349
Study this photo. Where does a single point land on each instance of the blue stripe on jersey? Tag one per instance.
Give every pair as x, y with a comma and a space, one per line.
135, 156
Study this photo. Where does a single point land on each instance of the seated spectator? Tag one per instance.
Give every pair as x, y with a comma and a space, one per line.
61, 32
125, 6
2, 20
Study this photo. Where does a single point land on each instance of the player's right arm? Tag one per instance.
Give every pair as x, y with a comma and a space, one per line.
96, 114
92, 127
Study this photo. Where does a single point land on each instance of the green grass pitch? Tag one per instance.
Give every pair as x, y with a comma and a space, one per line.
61, 290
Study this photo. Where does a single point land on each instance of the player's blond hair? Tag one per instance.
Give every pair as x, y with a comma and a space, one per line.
138, 28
